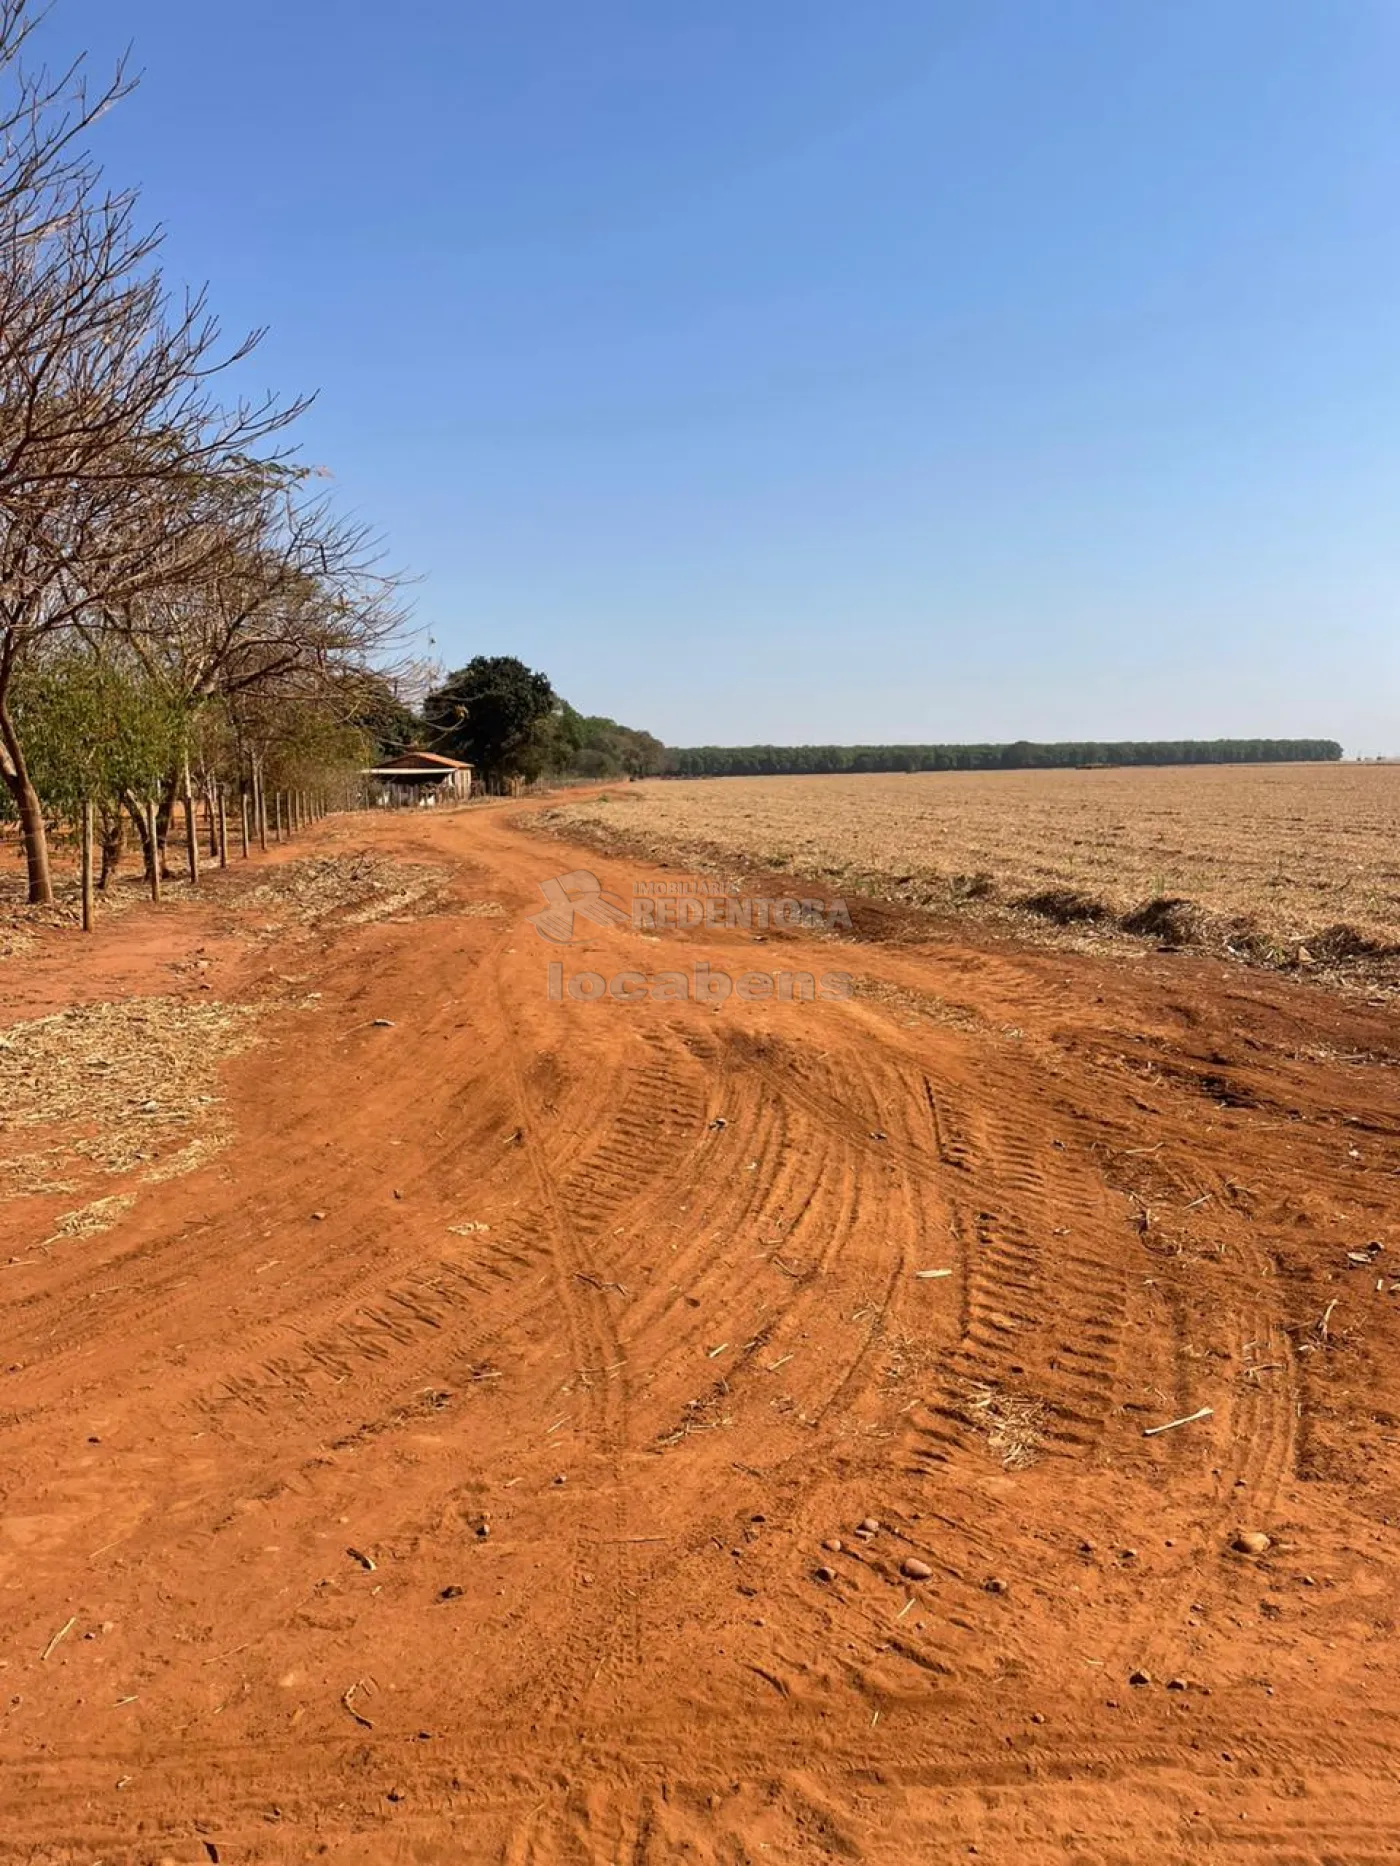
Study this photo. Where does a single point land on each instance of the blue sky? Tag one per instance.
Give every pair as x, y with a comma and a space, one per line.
800, 371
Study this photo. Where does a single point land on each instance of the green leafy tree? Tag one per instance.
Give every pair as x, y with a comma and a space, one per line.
555, 742
377, 711
97, 731
567, 743
490, 713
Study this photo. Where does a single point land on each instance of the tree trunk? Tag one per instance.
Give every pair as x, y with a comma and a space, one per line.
36, 843
30, 811
136, 810
113, 836
165, 816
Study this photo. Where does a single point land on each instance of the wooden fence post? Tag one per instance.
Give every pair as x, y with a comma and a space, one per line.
243, 818
223, 828
280, 835
191, 832
86, 862
153, 831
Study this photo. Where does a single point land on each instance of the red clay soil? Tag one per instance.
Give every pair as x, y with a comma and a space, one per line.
383, 1539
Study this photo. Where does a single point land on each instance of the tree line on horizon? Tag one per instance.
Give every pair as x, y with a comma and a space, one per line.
1021, 755
506, 720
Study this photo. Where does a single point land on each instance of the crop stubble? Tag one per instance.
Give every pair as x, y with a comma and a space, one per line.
1261, 859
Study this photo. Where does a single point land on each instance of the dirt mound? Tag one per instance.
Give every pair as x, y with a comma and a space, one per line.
1168, 918
1337, 944
1244, 938
975, 887
1066, 907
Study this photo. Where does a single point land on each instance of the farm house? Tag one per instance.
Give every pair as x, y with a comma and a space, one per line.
415, 779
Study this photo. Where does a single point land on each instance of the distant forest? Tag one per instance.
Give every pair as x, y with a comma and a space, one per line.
506, 720
793, 760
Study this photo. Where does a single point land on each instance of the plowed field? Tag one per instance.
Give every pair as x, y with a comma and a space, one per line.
1294, 865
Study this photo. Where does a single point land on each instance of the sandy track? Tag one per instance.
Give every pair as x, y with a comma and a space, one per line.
686, 1346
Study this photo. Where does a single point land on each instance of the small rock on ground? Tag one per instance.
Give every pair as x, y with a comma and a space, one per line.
1253, 1542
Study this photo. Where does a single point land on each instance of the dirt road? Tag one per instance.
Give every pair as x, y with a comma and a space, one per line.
467, 1463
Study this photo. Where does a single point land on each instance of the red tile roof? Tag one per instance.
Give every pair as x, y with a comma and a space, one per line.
422, 761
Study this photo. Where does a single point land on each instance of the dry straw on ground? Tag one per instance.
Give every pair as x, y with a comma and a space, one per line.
350, 890
1015, 1423
21, 924
120, 1086
88, 1220
133, 1085
1284, 865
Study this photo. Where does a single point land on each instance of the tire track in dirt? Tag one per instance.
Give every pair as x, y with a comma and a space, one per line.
707, 1696
641, 1803
595, 1343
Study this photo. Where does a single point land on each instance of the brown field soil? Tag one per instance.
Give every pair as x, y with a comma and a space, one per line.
464, 1458
1259, 861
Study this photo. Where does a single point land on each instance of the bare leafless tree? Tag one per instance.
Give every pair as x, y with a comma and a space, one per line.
109, 423
290, 608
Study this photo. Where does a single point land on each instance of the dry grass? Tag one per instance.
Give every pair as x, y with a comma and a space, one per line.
347, 890
88, 1220
118, 1083
20, 924
132, 1085
313, 891
1259, 860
